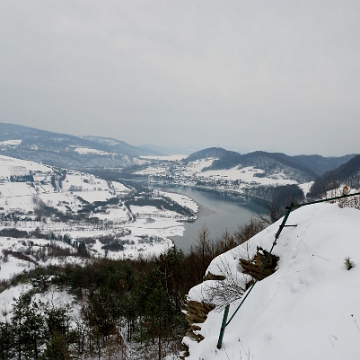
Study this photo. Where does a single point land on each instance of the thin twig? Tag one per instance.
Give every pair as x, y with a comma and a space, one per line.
330, 336
227, 355
352, 315
319, 257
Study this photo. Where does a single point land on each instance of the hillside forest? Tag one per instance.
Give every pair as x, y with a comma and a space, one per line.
125, 309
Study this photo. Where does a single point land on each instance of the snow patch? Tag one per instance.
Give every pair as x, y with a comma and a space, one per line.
12, 143
85, 151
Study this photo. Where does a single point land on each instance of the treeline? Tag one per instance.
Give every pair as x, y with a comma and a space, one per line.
146, 199
347, 173
58, 178
123, 304
98, 206
277, 198
35, 234
22, 178
42, 211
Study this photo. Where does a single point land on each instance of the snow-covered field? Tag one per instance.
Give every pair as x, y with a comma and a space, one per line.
308, 309
85, 151
136, 229
154, 170
11, 265
306, 187
164, 157
247, 175
195, 167
10, 166
181, 199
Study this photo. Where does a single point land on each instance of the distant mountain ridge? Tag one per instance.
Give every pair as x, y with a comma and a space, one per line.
66, 150
85, 152
348, 173
312, 165
215, 152
122, 146
270, 163
320, 164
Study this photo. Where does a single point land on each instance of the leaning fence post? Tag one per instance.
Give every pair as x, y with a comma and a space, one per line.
226, 312
281, 227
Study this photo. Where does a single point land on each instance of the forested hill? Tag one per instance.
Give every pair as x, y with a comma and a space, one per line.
270, 163
64, 150
123, 147
311, 166
348, 173
214, 152
320, 164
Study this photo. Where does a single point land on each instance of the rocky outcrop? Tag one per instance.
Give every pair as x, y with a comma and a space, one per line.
195, 314
262, 265
210, 276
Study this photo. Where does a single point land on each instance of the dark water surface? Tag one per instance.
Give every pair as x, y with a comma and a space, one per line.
217, 211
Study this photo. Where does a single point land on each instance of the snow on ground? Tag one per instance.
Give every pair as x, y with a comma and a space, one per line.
163, 169
117, 214
147, 235
92, 196
152, 211
23, 203
57, 200
155, 170
11, 166
7, 299
52, 296
305, 187
10, 143
84, 181
11, 265
16, 196
15, 189
138, 247
308, 309
14, 267
183, 200
119, 187
196, 166
156, 227
164, 157
85, 151
247, 175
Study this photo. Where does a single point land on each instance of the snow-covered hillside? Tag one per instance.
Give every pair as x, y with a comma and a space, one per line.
198, 173
308, 309
40, 206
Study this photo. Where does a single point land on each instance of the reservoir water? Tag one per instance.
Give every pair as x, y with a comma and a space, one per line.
217, 211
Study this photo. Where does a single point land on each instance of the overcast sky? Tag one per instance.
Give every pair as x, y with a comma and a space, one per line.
246, 75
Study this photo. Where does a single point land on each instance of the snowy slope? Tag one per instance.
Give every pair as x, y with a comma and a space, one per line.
93, 210
308, 309
11, 166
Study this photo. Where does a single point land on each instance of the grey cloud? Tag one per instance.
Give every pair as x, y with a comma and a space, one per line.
272, 75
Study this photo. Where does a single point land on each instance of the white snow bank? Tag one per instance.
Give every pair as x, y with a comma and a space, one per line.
174, 157
308, 309
183, 200
85, 151
11, 166
10, 143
